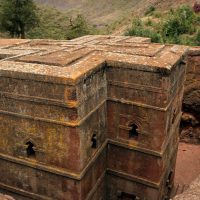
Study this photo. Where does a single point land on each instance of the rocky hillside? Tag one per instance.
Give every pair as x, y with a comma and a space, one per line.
98, 13
102, 17
105, 12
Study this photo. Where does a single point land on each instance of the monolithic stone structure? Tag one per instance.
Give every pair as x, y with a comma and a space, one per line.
93, 118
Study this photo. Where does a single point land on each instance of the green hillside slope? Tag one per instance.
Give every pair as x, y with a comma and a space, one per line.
105, 11
58, 18
99, 13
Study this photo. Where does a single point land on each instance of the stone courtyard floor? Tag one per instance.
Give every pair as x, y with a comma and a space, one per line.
187, 167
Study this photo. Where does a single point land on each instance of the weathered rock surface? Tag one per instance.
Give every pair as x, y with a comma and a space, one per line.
192, 84
189, 119
190, 124
92, 118
5, 197
192, 193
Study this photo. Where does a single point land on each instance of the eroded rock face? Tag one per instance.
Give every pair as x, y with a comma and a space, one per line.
192, 193
192, 97
191, 100
190, 124
5, 197
190, 129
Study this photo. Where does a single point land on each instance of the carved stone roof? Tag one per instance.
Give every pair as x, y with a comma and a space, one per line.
69, 61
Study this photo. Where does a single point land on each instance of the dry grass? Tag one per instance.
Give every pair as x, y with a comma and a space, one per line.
114, 15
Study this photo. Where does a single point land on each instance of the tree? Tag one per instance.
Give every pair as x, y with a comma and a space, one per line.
18, 16
179, 21
198, 38
138, 29
78, 27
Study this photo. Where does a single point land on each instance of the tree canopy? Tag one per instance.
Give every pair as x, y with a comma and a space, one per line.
18, 16
78, 27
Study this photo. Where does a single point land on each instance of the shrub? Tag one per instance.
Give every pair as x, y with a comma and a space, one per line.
178, 27
197, 19
178, 22
157, 14
138, 29
149, 22
18, 17
187, 40
197, 39
78, 27
55, 24
150, 10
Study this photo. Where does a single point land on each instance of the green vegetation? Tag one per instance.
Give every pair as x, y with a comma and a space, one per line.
180, 26
149, 22
40, 22
138, 29
150, 10
198, 38
22, 18
52, 24
58, 25
78, 27
178, 22
17, 17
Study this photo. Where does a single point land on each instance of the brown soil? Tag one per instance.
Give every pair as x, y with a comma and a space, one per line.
188, 163
187, 167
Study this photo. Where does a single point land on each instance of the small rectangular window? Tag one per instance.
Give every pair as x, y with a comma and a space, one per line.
126, 196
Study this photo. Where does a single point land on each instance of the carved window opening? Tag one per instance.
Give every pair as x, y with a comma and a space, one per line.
30, 150
133, 132
126, 196
169, 180
94, 141
174, 116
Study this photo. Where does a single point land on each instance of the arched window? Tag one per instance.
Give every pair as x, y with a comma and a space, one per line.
133, 132
30, 152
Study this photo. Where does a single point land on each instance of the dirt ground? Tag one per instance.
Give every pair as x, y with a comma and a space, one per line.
187, 167
188, 164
